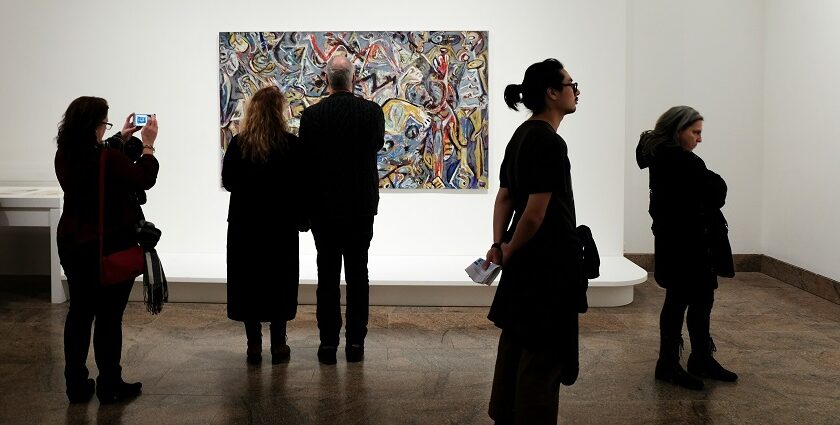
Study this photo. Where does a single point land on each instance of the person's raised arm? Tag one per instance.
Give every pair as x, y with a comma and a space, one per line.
140, 175
149, 135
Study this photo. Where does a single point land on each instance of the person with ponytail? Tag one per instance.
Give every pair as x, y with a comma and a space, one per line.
691, 246
262, 170
535, 241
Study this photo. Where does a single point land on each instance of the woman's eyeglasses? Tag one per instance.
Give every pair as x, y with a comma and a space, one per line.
107, 125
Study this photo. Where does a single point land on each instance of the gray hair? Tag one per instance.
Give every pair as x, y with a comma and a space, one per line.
340, 73
668, 126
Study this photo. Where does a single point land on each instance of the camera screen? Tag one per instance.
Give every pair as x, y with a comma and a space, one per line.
141, 119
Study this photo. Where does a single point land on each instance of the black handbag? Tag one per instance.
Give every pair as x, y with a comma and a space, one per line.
717, 233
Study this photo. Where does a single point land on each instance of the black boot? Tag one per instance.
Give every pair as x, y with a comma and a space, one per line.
702, 363
354, 352
81, 392
253, 331
668, 366
111, 391
326, 354
280, 351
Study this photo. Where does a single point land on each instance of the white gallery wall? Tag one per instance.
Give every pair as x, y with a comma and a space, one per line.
162, 57
708, 55
763, 73
801, 199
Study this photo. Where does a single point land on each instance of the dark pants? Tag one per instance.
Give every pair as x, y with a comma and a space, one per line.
88, 301
253, 331
698, 302
526, 384
348, 238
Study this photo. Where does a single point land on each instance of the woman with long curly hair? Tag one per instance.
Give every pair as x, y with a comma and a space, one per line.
263, 172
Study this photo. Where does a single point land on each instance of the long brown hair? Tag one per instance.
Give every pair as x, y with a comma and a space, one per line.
77, 129
264, 127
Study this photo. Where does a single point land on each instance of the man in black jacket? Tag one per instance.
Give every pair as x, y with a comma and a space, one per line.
343, 133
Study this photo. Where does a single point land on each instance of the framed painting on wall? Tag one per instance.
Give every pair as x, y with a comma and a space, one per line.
432, 87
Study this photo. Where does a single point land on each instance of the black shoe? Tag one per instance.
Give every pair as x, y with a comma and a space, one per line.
111, 393
254, 354
669, 371
326, 354
707, 367
280, 354
354, 352
81, 392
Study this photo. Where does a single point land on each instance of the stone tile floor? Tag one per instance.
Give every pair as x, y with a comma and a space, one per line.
430, 365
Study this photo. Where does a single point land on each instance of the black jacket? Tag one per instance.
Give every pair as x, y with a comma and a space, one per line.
691, 234
265, 213
78, 174
342, 135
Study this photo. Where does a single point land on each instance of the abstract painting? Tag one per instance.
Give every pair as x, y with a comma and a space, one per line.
431, 85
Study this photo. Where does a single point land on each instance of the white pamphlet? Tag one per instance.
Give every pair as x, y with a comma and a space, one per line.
478, 274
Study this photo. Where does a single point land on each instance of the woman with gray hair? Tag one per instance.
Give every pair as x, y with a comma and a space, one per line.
691, 243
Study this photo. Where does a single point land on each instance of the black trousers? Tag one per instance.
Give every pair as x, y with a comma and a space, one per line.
88, 301
526, 383
698, 302
338, 238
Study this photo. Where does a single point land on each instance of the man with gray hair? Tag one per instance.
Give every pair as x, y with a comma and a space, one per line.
342, 134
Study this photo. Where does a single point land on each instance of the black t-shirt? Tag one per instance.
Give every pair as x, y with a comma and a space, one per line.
535, 299
537, 161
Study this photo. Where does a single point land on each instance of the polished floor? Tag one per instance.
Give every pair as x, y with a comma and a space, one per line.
430, 365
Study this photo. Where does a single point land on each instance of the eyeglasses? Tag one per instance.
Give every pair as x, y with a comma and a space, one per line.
107, 125
574, 86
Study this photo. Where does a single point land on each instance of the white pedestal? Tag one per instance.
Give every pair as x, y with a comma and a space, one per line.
36, 206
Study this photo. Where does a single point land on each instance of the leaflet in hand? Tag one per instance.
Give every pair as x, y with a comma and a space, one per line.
479, 275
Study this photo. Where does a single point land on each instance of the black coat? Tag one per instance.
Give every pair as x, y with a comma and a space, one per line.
264, 215
342, 135
78, 174
691, 241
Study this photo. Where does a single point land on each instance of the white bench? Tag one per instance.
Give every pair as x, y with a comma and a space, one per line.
36, 206
395, 280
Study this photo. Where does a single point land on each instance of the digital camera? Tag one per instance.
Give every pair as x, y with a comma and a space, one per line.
141, 120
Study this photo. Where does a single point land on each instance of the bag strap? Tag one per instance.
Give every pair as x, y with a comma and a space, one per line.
102, 158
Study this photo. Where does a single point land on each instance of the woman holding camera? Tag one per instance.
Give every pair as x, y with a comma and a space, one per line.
691, 247
263, 171
77, 163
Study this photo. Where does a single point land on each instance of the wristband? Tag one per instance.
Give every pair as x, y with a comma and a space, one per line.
150, 147
497, 245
